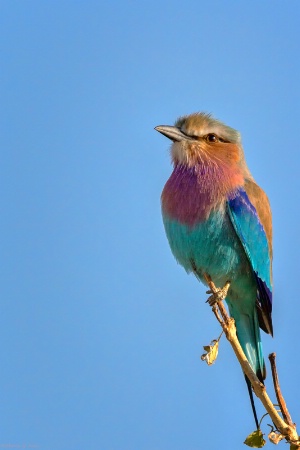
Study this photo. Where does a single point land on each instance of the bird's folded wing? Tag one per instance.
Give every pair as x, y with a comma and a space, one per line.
250, 214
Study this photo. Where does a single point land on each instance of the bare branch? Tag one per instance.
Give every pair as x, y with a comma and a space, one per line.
284, 426
280, 399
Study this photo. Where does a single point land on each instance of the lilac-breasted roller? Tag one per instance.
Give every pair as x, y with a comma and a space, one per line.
218, 222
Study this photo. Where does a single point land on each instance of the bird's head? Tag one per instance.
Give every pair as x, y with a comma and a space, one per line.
199, 138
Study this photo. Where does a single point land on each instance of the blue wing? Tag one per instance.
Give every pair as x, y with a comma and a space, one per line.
252, 236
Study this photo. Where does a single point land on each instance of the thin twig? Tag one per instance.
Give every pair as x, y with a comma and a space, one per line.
280, 399
216, 313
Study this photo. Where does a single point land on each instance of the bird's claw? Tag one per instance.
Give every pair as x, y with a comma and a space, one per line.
218, 294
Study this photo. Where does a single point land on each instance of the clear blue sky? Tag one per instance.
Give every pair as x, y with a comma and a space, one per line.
101, 331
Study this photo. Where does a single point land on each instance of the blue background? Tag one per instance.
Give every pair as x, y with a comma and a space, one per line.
101, 331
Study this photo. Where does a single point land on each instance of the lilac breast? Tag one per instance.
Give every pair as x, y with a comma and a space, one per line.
191, 193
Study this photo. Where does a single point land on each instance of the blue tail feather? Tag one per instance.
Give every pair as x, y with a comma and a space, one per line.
249, 337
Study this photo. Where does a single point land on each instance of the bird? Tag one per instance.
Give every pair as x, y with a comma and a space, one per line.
218, 223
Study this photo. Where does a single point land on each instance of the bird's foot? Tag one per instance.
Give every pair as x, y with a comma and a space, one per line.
218, 294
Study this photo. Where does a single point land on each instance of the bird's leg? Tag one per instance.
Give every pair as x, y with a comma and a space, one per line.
216, 301
218, 294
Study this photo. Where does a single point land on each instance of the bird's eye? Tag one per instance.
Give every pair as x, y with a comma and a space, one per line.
211, 138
